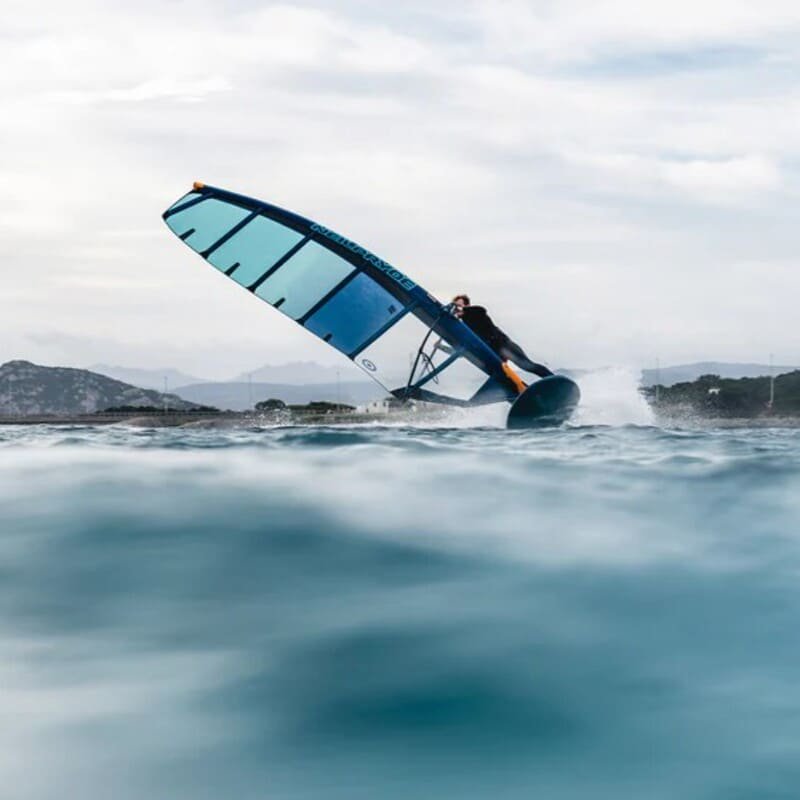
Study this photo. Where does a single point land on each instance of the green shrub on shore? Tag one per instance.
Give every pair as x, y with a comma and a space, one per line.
713, 396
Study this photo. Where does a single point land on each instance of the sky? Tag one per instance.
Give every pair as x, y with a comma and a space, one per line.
616, 181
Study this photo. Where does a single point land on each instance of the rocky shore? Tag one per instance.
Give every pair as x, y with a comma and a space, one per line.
194, 420
691, 420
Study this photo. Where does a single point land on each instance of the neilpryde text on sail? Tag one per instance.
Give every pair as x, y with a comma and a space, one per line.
376, 262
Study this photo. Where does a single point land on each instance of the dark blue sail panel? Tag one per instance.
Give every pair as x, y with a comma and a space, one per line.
354, 314
340, 292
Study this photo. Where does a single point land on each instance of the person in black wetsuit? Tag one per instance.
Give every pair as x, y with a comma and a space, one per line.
481, 324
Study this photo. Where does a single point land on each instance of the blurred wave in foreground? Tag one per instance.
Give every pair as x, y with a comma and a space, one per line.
394, 612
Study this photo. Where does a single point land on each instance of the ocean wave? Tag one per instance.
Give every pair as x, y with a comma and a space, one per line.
390, 611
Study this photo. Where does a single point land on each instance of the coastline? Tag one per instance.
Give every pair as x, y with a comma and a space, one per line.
177, 420
295, 417
690, 421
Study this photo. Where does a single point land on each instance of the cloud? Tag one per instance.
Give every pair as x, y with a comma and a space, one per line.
720, 181
572, 31
156, 89
570, 153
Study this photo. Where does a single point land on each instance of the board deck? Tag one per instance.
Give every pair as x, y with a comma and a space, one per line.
546, 403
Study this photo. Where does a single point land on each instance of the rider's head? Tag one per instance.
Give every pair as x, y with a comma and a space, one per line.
459, 302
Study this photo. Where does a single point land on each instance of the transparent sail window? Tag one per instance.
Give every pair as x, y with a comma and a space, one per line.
255, 248
304, 279
354, 314
207, 221
389, 359
460, 380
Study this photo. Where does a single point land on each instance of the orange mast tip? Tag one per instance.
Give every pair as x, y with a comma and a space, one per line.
198, 185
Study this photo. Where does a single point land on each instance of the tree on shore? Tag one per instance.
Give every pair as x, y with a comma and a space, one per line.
713, 396
272, 404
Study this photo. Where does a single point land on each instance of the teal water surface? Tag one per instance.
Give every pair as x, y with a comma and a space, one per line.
398, 612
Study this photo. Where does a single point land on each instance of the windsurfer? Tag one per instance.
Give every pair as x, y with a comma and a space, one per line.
477, 318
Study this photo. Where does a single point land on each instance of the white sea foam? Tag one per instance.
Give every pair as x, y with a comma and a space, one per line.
611, 396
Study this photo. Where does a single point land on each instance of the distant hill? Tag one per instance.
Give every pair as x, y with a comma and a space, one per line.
27, 388
146, 378
294, 372
685, 373
297, 373
711, 396
242, 396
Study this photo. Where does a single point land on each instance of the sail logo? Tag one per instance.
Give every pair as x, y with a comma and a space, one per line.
378, 263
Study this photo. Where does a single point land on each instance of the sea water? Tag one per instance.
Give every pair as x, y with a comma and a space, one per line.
607, 610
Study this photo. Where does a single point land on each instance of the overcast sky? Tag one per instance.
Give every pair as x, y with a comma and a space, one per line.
616, 181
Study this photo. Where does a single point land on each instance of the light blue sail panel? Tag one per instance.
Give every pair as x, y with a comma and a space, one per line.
208, 221
185, 199
256, 247
304, 279
354, 314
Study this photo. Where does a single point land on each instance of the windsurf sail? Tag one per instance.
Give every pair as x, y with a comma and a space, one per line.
388, 325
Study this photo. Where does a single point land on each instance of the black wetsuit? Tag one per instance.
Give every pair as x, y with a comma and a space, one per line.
481, 324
